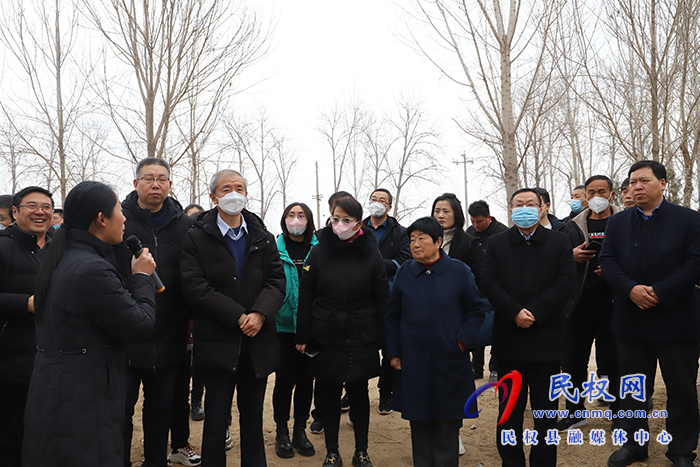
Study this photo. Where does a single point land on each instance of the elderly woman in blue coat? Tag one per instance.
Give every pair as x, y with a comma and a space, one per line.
433, 317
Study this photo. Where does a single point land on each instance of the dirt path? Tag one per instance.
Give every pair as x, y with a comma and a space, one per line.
390, 440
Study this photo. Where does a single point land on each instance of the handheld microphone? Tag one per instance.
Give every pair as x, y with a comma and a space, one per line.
136, 248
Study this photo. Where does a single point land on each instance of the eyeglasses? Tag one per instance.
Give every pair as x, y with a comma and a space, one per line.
377, 200
529, 205
3, 218
292, 216
33, 207
150, 179
344, 220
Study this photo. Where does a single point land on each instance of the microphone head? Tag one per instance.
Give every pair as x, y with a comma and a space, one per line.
134, 244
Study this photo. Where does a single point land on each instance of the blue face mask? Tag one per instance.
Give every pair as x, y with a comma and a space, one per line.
525, 217
576, 206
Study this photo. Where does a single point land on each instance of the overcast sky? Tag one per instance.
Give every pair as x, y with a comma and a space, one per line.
325, 51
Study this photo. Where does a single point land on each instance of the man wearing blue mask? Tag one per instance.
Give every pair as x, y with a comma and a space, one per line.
578, 202
528, 275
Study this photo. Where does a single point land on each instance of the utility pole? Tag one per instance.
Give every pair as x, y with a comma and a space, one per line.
465, 161
318, 197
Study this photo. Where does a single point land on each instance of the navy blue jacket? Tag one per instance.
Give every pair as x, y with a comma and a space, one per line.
669, 262
429, 310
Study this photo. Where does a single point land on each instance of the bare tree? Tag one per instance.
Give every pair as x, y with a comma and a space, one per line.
12, 154
43, 42
285, 162
688, 126
378, 144
176, 49
263, 152
415, 155
341, 127
499, 54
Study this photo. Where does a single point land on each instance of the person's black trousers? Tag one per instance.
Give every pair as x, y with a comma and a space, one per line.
590, 322
679, 368
180, 426
328, 401
536, 378
197, 387
386, 378
435, 443
292, 376
157, 412
220, 385
14, 397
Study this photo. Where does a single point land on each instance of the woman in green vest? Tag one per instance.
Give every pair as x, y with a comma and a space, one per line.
294, 244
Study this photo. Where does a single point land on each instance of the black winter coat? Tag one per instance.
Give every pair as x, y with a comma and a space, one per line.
394, 245
342, 302
210, 282
537, 274
20, 262
466, 248
75, 409
169, 341
482, 237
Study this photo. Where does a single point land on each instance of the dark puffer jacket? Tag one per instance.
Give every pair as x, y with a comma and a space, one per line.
394, 245
342, 301
168, 344
75, 409
210, 282
20, 262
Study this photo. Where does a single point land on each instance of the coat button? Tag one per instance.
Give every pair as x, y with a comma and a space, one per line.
528, 242
636, 245
427, 272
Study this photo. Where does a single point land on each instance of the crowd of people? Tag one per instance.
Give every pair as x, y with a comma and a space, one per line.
102, 298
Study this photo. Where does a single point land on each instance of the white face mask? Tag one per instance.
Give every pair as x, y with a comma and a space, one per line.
296, 226
376, 209
598, 204
233, 203
344, 231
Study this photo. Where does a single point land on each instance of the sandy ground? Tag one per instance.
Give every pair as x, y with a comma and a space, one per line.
390, 440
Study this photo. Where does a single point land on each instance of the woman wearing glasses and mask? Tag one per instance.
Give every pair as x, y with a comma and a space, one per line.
340, 324
294, 244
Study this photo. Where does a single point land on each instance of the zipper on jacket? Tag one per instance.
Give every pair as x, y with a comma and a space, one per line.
155, 258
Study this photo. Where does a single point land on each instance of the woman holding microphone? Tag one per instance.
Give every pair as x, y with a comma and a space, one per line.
84, 314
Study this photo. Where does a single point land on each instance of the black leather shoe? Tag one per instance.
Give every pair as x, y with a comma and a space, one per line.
333, 460
283, 446
683, 463
361, 459
302, 443
625, 456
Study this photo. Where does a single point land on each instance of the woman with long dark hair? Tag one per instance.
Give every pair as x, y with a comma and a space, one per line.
75, 408
294, 244
447, 209
340, 323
